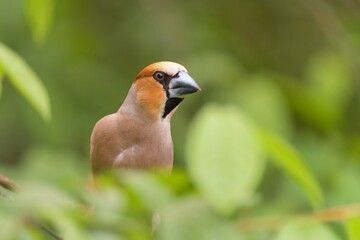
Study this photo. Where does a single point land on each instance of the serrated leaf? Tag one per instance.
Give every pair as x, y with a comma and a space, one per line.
353, 228
304, 230
285, 156
39, 14
25, 81
224, 157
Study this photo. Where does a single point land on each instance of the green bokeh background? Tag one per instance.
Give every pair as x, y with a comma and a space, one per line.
290, 66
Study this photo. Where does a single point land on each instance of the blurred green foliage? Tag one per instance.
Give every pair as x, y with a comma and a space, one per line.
275, 131
25, 81
39, 15
353, 228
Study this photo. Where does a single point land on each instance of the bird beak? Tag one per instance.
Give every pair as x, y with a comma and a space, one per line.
181, 85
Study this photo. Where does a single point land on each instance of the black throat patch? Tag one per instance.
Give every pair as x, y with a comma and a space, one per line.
170, 104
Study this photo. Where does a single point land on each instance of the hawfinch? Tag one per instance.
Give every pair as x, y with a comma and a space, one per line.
138, 135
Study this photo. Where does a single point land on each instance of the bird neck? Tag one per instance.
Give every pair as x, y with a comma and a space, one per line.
133, 107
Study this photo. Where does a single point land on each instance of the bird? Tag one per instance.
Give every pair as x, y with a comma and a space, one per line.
138, 135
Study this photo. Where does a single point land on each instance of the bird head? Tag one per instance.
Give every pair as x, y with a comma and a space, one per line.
161, 87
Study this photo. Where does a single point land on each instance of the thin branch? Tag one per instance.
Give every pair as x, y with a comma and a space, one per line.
36, 224
326, 215
8, 183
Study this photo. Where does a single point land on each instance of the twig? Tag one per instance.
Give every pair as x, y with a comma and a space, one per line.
36, 224
8, 184
326, 215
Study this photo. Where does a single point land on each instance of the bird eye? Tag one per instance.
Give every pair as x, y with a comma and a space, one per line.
159, 76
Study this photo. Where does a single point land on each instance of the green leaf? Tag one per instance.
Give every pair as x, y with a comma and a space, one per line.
189, 219
308, 231
353, 228
68, 228
25, 81
146, 186
224, 158
39, 14
290, 161
46, 201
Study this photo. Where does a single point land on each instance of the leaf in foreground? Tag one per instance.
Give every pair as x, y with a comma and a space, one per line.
353, 228
25, 81
190, 219
308, 231
224, 157
290, 161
